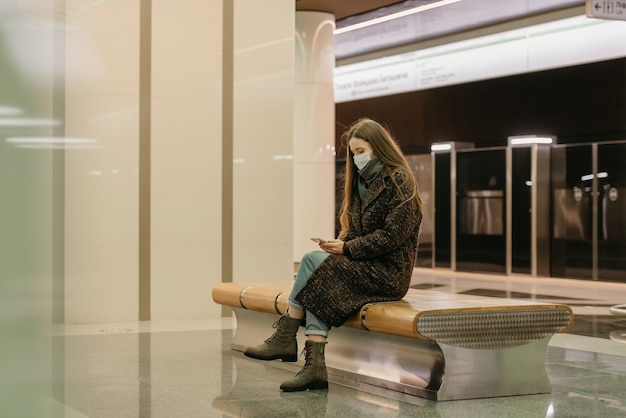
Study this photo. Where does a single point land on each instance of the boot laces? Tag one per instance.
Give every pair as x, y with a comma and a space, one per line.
308, 353
276, 326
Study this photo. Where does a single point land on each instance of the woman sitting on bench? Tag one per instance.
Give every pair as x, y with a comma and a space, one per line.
372, 260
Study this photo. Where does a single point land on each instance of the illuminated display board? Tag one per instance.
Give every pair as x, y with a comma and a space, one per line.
556, 44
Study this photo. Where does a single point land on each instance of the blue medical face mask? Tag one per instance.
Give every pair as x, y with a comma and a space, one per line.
361, 160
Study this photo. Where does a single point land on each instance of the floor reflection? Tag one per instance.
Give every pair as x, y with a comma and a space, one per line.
186, 368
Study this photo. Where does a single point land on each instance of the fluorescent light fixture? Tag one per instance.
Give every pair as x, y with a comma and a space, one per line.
393, 16
10, 111
17, 122
52, 142
531, 139
445, 146
601, 175
49, 140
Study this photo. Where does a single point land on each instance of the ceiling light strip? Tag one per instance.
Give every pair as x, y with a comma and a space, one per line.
393, 16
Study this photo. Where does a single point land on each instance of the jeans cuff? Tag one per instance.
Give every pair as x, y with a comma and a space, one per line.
295, 305
316, 332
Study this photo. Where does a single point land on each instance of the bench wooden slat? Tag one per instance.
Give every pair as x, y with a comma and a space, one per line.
395, 318
270, 297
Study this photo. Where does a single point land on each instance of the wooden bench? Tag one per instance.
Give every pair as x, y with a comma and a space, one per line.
431, 344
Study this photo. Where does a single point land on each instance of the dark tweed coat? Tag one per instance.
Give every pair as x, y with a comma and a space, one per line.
382, 243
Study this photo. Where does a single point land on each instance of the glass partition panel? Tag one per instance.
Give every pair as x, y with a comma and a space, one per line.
611, 177
572, 247
481, 183
521, 210
442, 216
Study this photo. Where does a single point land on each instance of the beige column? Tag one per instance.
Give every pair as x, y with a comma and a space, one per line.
186, 158
262, 139
101, 161
314, 132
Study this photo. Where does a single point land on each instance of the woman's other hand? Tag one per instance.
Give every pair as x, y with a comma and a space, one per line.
333, 246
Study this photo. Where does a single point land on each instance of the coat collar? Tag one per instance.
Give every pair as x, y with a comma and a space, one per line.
376, 186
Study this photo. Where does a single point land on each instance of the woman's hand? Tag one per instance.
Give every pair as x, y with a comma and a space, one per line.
333, 246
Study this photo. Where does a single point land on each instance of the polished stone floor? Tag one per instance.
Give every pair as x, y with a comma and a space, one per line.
186, 368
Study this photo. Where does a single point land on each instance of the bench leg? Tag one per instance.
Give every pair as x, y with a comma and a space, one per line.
416, 367
495, 372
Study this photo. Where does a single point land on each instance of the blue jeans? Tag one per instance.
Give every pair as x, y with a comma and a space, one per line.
310, 262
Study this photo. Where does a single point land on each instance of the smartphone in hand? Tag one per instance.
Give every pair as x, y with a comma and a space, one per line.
319, 240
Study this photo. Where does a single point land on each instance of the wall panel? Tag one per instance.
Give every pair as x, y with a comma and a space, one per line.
186, 158
101, 179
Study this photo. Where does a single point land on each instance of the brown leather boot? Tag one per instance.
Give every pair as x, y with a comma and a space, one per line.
313, 375
281, 345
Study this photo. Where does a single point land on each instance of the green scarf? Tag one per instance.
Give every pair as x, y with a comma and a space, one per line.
365, 177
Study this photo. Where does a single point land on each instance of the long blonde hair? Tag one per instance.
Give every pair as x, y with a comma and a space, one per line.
388, 152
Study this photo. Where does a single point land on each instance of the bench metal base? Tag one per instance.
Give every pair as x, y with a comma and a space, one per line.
416, 367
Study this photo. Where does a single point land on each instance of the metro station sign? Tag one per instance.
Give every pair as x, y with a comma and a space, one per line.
606, 9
